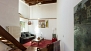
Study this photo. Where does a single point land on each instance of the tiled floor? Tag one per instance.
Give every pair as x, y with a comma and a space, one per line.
35, 49
28, 49
31, 49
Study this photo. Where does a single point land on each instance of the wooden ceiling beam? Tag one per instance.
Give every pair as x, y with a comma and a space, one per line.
34, 2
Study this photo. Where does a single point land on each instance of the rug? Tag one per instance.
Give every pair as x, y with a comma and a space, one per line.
42, 44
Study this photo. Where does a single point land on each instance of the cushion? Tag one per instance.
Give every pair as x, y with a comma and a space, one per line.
27, 34
23, 35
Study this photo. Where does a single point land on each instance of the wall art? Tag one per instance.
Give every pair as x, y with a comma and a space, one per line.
82, 26
43, 23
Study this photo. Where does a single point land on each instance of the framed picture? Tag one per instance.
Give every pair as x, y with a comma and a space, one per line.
43, 23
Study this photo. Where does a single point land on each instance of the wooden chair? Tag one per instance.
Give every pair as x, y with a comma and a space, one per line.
56, 46
50, 47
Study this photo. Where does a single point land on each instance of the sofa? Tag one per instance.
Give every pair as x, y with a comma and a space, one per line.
26, 37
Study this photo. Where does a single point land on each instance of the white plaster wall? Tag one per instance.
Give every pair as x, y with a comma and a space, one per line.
24, 9
46, 32
65, 23
43, 11
8, 16
9, 13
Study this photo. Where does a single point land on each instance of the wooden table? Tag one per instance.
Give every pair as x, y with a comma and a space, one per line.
36, 40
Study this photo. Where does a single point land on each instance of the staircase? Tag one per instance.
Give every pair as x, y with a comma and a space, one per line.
9, 40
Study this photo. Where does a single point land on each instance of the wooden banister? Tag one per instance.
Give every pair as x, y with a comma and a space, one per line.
10, 38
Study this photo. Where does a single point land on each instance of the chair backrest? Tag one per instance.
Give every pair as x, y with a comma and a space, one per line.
56, 46
23, 35
50, 47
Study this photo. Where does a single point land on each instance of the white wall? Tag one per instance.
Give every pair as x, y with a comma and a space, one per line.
9, 13
24, 9
65, 23
46, 32
43, 11
8, 16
